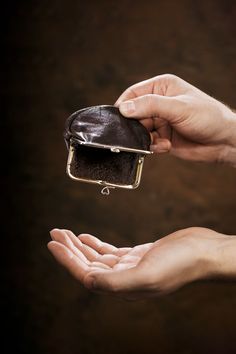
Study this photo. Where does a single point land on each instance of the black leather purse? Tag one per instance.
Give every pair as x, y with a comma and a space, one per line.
105, 147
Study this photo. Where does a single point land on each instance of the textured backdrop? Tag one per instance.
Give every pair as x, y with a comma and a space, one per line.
59, 56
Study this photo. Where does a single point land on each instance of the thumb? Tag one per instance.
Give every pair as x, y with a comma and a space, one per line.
116, 281
151, 105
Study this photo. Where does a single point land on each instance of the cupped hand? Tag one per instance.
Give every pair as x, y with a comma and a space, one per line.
146, 270
182, 119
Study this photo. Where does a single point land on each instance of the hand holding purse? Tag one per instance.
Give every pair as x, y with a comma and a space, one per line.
105, 148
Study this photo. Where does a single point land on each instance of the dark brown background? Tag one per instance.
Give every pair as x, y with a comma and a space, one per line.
60, 56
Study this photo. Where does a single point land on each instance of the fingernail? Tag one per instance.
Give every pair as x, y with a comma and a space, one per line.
159, 148
127, 107
162, 145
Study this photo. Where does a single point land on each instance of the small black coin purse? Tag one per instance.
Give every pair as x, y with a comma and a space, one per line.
105, 147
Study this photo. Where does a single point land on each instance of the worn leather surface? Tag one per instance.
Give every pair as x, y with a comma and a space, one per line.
106, 125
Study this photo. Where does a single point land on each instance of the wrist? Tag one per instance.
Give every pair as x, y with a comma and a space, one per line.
221, 260
228, 151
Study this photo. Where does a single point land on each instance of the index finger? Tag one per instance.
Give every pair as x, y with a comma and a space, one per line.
98, 245
156, 85
140, 89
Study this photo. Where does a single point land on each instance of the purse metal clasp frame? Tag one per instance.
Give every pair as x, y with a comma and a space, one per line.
115, 149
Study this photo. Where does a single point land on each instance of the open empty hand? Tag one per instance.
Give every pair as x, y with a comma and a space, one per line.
145, 270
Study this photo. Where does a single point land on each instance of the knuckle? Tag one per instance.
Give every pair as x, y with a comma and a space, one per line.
100, 248
131, 91
170, 77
